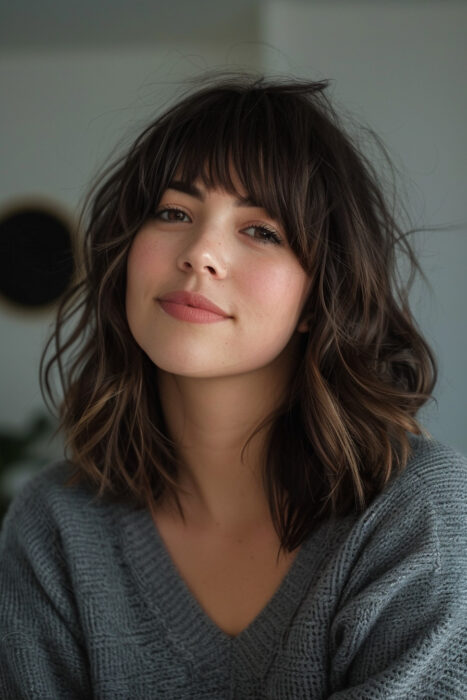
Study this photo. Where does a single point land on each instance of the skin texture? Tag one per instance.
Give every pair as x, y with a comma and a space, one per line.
217, 381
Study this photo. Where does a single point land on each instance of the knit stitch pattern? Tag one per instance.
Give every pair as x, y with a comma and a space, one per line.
374, 605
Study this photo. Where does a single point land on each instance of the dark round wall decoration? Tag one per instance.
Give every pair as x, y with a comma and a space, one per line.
36, 256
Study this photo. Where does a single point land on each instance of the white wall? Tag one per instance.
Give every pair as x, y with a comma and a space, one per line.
401, 68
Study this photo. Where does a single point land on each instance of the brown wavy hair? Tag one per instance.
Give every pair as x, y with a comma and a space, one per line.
364, 369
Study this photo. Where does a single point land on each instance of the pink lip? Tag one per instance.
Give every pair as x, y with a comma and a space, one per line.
189, 306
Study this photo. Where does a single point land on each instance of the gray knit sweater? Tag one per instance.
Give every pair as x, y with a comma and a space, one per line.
375, 606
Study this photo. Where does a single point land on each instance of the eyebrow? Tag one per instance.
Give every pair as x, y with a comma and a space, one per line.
194, 191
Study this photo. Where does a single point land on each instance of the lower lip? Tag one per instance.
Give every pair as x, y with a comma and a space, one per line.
190, 313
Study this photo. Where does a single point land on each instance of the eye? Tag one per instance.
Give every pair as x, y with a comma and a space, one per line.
261, 232
171, 214
265, 235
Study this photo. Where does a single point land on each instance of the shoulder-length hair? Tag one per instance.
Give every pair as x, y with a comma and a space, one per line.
364, 370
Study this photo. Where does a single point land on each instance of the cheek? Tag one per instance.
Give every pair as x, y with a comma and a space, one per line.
140, 272
277, 291
140, 259
145, 266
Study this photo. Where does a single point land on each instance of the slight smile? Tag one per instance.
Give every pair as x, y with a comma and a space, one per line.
192, 307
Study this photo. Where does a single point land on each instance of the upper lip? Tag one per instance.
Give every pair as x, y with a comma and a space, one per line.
193, 299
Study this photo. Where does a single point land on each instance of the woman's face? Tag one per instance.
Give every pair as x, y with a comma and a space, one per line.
206, 242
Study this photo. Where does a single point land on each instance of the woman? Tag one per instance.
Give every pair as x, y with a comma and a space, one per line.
248, 508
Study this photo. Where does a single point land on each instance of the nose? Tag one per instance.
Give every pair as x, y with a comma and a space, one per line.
204, 254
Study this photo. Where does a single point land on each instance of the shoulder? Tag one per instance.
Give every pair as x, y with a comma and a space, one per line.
403, 566
431, 459
61, 537
48, 511
421, 515
432, 488
413, 536
45, 492
434, 473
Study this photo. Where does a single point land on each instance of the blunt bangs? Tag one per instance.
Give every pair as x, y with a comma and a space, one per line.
253, 136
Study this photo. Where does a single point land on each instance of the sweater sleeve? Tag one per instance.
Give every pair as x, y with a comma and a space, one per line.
41, 652
401, 627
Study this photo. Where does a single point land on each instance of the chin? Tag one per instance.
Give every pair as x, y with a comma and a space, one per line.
184, 366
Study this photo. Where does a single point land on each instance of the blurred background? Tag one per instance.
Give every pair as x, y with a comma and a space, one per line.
80, 79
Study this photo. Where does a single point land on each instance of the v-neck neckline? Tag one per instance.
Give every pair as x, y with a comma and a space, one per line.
167, 594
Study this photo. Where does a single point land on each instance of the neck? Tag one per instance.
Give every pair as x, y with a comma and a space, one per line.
211, 419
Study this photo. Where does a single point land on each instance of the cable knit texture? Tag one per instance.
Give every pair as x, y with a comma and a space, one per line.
374, 606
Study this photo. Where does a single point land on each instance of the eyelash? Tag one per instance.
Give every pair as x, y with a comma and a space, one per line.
270, 236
